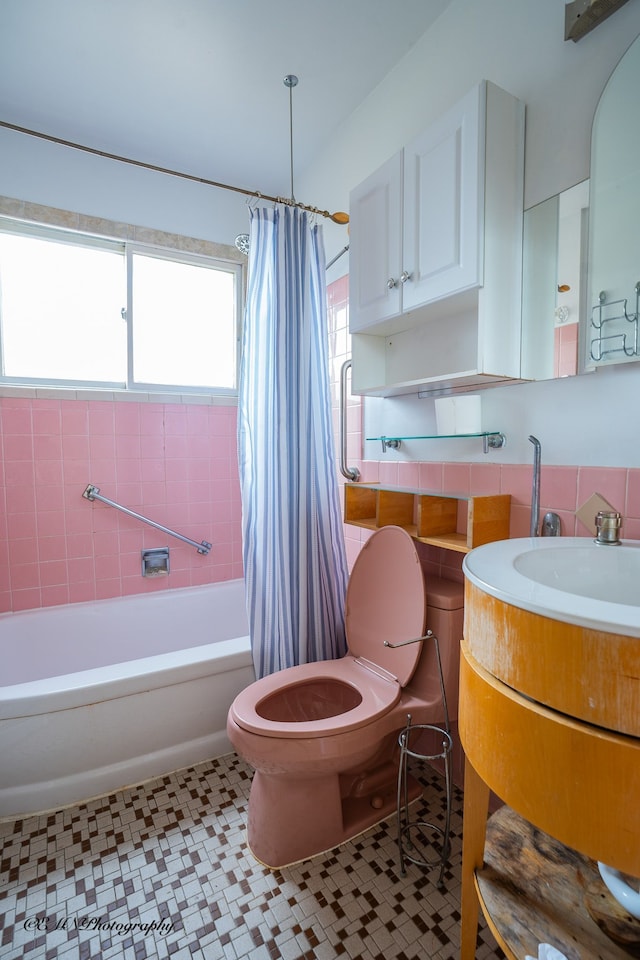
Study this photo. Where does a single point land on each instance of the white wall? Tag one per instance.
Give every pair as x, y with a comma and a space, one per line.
519, 45
57, 176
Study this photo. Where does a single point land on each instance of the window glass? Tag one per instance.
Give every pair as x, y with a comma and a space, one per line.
61, 309
183, 323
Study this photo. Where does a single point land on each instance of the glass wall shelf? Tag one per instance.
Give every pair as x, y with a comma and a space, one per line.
491, 439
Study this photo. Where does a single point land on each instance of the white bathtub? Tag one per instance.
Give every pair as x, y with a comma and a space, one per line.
97, 696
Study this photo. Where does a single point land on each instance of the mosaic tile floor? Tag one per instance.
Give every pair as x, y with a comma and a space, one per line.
162, 870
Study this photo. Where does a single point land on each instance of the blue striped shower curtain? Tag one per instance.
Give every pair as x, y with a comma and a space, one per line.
293, 547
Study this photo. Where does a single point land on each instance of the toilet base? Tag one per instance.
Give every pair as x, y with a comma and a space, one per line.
288, 824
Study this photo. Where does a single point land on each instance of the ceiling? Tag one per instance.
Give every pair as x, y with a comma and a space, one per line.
197, 85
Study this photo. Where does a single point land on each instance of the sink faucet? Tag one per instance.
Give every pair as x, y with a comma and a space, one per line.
551, 522
608, 523
535, 493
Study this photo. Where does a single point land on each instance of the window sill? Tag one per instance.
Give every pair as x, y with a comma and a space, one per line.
32, 392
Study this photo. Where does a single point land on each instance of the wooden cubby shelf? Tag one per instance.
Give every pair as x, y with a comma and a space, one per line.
433, 518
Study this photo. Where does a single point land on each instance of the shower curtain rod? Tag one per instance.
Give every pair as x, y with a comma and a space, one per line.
341, 218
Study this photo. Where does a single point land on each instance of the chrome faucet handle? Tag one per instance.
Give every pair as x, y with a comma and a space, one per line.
608, 523
551, 525
405, 643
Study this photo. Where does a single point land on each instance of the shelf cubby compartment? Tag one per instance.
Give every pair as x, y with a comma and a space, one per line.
433, 518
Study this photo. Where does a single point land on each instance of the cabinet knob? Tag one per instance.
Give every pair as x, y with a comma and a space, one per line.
404, 276
391, 283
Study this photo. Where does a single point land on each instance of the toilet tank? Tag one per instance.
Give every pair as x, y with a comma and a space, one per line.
445, 612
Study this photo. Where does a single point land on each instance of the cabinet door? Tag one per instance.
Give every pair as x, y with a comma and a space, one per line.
375, 243
443, 204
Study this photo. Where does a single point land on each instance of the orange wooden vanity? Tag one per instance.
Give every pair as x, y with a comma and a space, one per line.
542, 704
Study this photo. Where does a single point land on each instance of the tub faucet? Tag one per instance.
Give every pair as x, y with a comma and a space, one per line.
535, 492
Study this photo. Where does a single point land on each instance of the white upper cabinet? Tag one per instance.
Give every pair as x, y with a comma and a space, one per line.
436, 254
375, 228
442, 170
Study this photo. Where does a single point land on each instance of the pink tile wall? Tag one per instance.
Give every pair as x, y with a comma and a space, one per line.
175, 463
563, 489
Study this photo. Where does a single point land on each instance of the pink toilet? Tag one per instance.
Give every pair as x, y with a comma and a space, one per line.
323, 737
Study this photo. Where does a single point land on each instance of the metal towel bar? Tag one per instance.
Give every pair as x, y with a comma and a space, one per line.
93, 493
403, 643
350, 473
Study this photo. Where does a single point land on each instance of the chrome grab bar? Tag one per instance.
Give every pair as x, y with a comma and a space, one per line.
349, 473
403, 643
93, 493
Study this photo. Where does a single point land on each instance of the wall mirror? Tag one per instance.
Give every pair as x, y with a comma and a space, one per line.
554, 284
614, 236
581, 251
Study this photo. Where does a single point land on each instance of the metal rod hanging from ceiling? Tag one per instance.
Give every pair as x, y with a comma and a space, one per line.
291, 81
337, 217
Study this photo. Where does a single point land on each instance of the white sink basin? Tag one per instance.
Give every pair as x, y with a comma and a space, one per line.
571, 579
611, 574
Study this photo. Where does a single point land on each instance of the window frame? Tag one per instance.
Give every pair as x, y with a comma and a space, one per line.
128, 247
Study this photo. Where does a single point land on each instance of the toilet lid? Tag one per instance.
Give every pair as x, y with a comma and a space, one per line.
386, 601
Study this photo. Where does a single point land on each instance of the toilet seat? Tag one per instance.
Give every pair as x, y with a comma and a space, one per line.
379, 693
385, 601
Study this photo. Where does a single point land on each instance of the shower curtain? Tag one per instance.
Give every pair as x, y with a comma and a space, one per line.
293, 547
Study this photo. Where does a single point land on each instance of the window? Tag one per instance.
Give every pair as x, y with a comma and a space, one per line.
61, 309
183, 329
76, 309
